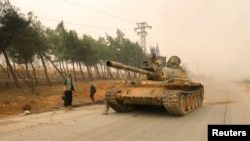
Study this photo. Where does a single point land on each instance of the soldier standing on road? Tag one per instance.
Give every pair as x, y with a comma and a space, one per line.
68, 89
106, 110
92, 92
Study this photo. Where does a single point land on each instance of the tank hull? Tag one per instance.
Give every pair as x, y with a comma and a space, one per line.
178, 97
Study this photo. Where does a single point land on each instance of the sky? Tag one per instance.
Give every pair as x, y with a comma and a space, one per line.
211, 37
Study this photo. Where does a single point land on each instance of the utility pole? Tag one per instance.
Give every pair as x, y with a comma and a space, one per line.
142, 32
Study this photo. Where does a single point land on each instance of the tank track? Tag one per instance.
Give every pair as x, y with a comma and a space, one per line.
114, 103
176, 102
180, 103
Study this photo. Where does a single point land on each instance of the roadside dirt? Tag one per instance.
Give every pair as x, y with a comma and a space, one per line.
47, 98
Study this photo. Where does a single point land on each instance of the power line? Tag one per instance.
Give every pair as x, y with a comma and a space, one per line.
84, 25
142, 26
82, 5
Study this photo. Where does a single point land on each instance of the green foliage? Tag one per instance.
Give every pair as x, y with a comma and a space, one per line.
124, 50
12, 23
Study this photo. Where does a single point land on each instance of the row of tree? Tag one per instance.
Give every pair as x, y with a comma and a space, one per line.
24, 40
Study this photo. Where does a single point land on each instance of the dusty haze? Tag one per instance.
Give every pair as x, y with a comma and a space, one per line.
211, 36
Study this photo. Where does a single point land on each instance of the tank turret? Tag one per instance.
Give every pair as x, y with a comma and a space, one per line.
156, 71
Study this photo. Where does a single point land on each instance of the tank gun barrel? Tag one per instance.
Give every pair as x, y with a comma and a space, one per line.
117, 65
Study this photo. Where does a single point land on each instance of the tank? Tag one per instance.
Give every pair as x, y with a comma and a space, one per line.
164, 84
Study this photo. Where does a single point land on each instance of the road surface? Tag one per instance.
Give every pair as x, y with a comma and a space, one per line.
223, 104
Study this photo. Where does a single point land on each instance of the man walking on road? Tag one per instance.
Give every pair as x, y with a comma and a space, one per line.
92, 92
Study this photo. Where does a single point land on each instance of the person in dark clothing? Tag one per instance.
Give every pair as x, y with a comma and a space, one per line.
92, 92
106, 110
68, 89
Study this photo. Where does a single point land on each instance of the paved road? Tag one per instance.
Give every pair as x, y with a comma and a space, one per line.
223, 104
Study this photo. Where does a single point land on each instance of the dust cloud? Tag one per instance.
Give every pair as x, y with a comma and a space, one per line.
227, 64
211, 37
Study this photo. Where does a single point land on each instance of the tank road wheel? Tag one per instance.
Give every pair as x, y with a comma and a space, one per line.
119, 106
114, 103
200, 98
189, 101
193, 101
182, 104
197, 101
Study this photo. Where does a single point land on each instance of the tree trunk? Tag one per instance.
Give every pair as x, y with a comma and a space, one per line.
4, 70
103, 75
34, 73
63, 66
81, 70
60, 66
109, 73
105, 71
48, 58
27, 70
89, 73
128, 75
67, 67
121, 75
11, 69
74, 71
97, 71
17, 72
134, 74
45, 69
